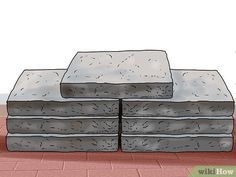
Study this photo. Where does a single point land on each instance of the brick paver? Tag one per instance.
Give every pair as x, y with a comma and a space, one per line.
20, 157
62, 173
57, 156
24, 173
114, 173
176, 172
39, 166
86, 164
109, 156
167, 163
135, 164
106, 164
153, 156
7, 165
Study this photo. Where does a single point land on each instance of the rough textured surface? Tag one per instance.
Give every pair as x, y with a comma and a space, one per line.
62, 143
62, 125
196, 93
184, 125
177, 143
120, 74
37, 92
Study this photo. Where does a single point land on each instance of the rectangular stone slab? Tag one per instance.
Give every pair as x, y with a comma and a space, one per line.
118, 74
62, 143
177, 125
37, 92
62, 125
176, 143
196, 93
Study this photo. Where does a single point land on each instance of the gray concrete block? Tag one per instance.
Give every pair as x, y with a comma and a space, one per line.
37, 92
118, 74
176, 143
177, 125
62, 143
196, 93
62, 125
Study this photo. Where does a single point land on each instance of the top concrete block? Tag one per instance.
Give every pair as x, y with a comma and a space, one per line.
199, 85
195, 92
38, 85
37, 92
118, 74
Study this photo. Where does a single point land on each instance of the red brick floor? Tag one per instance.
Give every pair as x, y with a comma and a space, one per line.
117, 164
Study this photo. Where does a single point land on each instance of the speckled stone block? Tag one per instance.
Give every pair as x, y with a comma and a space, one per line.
177, 125
196, 93
62, 143
176, 143
37, 92
62, 125
118, 74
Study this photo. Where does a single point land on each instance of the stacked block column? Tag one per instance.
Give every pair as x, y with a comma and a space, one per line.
41, 120
197, 118
82, 108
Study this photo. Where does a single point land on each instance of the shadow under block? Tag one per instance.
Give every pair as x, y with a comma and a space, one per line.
177, 125
62, 125
37, 92
62, 143
176, 143
119, 74
196, 93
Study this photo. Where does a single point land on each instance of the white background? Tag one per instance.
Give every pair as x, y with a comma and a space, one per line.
47, 33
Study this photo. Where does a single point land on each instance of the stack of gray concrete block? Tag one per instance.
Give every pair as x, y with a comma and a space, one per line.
158, 109
197, 118
39, 119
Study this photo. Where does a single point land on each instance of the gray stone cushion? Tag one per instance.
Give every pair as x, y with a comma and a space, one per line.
37, 92
196, 93
119, 74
